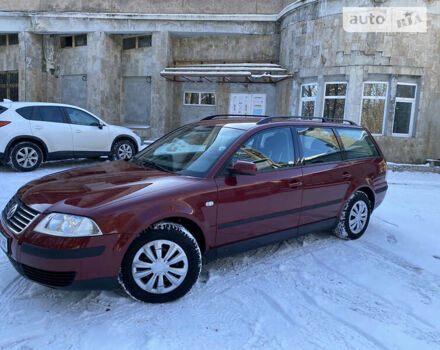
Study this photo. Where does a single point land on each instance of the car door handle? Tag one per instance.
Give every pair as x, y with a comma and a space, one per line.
38, 127
78, 131
346, 175
295, 184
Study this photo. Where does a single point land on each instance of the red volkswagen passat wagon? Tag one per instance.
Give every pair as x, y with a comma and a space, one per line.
213, 188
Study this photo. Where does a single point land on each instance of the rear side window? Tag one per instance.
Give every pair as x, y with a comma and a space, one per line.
48, 114
2, 109
357, 143
319, 145
269, 150
25, 112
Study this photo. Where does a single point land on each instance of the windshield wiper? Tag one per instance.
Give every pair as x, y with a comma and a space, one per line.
150, 163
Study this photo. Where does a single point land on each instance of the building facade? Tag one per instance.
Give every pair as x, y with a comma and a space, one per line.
156, 65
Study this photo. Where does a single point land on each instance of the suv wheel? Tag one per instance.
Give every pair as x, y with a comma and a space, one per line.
26, 156
355, 217
123, 150
162, 264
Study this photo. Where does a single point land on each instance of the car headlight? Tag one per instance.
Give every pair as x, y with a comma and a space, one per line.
66, 225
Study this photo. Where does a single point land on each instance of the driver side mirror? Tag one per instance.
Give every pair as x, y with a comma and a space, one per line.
243, 168
101, 125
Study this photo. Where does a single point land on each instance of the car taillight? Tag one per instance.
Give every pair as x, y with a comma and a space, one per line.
382, 167
4, 123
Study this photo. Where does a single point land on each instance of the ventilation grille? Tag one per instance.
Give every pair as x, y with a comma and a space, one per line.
48, 278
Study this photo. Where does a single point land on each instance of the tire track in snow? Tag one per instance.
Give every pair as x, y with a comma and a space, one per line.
425, 283
386, 301
354, 328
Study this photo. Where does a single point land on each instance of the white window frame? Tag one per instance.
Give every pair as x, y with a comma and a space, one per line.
335, 97
200, 98
307, 99
376, 98
413, 109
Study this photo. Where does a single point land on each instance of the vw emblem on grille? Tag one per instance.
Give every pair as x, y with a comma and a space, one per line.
12, 211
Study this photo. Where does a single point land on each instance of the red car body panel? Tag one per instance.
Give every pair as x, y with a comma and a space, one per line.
125, 199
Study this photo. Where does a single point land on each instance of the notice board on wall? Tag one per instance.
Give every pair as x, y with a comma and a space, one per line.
240, 104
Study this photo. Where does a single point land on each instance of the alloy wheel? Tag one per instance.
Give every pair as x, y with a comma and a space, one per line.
26, 157
125, 152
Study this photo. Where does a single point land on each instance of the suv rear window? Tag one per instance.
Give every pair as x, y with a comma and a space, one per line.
319, 145
25, 112
357, 143
2, 109
48, 114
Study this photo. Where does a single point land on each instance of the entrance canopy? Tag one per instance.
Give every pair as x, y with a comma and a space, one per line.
227, 73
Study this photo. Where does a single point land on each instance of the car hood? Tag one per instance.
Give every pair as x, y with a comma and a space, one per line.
97, 186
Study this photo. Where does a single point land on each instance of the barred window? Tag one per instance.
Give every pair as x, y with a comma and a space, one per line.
9, 85
73, 41
136, 42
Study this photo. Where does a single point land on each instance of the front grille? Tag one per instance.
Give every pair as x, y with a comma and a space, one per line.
48, 278
21, 217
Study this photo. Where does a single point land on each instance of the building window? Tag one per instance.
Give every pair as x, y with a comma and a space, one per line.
81, 40
334, 100
8, 39
73, 41
199, 98
405, 109
308, 100
374, 100
9, 85
136, 42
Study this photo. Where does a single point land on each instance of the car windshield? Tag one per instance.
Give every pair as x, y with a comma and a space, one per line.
191, 150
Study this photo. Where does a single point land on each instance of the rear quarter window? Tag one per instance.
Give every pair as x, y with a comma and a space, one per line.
2, 109
25, 112
357, 143
319, 145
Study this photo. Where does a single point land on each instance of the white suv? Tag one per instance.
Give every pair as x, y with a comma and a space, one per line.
32, 132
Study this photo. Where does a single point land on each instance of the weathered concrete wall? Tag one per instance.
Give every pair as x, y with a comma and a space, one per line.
237, 48
308, 40
315, 47
148, 6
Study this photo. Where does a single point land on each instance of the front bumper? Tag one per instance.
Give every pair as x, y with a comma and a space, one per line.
70, 263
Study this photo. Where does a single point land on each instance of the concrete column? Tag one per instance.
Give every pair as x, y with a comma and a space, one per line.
163, 113
95, 84
354, 94
104, 76
30, 67
319, 105
223, 95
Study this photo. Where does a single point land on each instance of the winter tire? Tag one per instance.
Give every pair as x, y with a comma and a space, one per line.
123, 150
161, 265
26, 156
355, 217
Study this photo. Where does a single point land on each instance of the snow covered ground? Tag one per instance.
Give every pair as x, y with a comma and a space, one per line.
317, 292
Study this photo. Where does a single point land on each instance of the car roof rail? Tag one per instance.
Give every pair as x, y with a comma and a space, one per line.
323, 120
235, 116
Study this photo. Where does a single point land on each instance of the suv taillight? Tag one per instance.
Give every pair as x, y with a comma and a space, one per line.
4, 123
